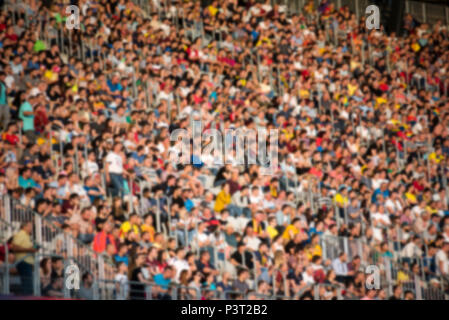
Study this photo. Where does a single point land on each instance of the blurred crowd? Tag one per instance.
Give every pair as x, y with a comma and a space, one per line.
363, 119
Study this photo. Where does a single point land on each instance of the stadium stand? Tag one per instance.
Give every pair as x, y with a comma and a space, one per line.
87, 180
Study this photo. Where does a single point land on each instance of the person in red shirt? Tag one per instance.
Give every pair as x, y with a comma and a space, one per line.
40, 118
103, 238
10, 135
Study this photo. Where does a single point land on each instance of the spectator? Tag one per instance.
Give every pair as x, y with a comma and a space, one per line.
340, 267
24, 253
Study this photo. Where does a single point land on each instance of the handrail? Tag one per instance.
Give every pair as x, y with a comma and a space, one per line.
33, 215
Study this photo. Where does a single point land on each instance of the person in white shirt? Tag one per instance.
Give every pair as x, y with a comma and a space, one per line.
380, 221
412, 249
121, 279
74, 186
90, 167
179, 262
340, 267
251, 240
256, 196
115, 171
446, 233
442, 260
307, 275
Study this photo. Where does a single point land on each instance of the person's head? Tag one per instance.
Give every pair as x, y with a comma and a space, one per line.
87, 279
168, 272
27, 226
205, 256
397, 291
241, 247
57, 263
263, 247
243, 274
122, 268
139, 260
408, 295
445, 247
180, 253
117, 148
296, 222
343, 257
134, 218
122, 249
371, 293
315, 239
45, 265
57, 283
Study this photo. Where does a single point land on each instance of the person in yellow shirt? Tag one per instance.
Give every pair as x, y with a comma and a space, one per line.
147, 226
403, 273
271, 228
341, 198
223, 198
410, 197
213, 10
291, 230
352, 87
314, 248
23, 248
131, 225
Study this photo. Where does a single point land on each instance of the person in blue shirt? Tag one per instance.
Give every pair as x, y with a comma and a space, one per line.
5, 113
26, 114
380, 191
186, 195
163, 281
114, 84
25, 180
93, 191
122, 254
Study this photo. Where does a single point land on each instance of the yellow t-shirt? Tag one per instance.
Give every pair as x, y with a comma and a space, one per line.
340, 199
402, 277
213, 11
223, 199
126, 227
149, 229
23, 240
410, 197
290, 228
351, 89
272, 232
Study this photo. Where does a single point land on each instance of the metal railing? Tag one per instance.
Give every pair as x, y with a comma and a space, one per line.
53, 240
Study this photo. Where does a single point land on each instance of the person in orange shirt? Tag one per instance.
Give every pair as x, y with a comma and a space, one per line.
147, 226
103, 238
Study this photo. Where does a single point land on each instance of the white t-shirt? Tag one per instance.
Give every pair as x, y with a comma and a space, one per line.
91, 167
308, 278
201, 237
115, 162
252, 243
122, 280
394, 205
179, 265
442, 257
256, 199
